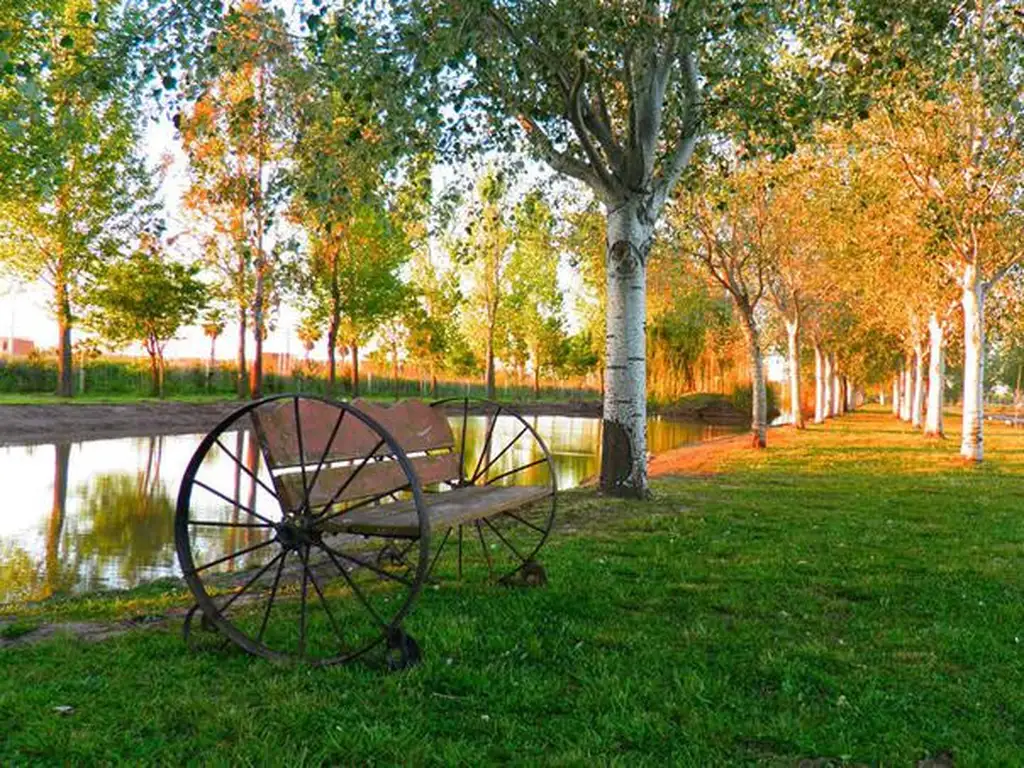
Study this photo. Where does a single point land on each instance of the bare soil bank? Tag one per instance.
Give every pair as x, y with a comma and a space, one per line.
72, 422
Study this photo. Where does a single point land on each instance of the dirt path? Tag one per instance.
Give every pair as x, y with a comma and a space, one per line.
706, 458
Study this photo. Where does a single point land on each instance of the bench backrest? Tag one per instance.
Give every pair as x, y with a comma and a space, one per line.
415, 426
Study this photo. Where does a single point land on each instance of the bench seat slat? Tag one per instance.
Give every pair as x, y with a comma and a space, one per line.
445, 510
374, 478
415, 426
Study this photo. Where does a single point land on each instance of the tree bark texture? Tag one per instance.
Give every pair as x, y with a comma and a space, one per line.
256, 371
819, 386
972, 300
624, 428
933, 426
489, 378
917, 407
837, 394
795, 407
243, 380
65, 385
907, 388
827, 386
759, 401
355, 369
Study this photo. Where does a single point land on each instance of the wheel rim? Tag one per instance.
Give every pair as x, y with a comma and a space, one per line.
497, 446
265, 562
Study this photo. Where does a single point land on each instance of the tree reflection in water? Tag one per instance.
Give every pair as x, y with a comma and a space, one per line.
22, 578
125, 525
117, 527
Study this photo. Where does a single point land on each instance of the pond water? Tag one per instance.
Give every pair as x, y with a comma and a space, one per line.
100, 514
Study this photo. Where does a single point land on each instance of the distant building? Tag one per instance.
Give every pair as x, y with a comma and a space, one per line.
21, 347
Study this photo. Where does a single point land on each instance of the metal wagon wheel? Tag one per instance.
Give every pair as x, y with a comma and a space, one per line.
498, 447
256, 532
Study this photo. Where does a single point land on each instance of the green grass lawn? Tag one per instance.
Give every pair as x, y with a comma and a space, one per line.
852, 593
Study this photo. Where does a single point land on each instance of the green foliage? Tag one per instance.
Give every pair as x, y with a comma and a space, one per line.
534, 300
74, 185
683, 328
145, 298
742, 399
16, 629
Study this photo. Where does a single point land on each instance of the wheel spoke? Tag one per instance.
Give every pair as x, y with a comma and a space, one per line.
302, 603
273, 594
250, 582
514, 471
239, 553
323, 458
223, 524
492, 462
248, 471
483, 546
504, 541
487, 442
462, 445
323, 600
234, 503
440, 549
302, 453
364, 564
354, 587
345, 485
527, 523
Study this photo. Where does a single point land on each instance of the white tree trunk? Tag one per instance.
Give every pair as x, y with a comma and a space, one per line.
917, 407
624, 433
906, 389
819, 385
933, 426
973, 301
827, 387
851, 393
793, 335
837, 392
759, 406
896, 395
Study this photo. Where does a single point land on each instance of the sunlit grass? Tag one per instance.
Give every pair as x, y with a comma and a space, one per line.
854, 592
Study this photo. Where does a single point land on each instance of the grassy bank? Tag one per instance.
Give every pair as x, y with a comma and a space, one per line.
852, 593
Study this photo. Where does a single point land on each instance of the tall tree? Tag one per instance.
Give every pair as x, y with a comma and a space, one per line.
535, 301
213, 326
145, 298
236, 135
729, 222
351, 280
486, 250
612, 95
70, 97
434, 330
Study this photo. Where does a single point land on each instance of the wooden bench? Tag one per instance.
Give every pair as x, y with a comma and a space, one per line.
357, 503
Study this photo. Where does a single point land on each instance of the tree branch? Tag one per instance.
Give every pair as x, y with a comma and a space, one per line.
562, 162
574, 109
690, 131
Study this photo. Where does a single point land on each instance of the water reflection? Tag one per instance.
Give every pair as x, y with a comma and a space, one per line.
100, 514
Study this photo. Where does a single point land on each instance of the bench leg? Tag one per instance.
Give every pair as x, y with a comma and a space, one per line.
530, 574
403, 652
